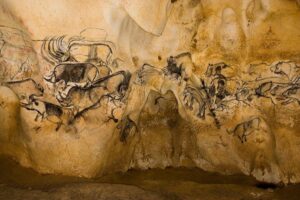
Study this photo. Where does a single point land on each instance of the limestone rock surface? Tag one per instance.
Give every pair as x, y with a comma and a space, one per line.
99, 86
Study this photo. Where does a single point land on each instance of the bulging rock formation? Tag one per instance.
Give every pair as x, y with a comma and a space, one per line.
100, 86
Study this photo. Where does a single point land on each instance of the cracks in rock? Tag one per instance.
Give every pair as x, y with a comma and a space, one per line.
93, 76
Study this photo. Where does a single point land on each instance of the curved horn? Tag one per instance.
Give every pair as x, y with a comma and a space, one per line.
59, 45
183, 55
43, 52
52, 49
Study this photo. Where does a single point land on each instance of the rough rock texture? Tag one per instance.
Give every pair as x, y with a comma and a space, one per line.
94, 87
17, 182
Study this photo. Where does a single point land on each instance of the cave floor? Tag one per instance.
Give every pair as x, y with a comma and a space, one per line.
17, 182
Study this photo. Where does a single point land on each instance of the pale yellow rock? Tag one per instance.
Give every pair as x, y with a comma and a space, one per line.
150, 15
240, 118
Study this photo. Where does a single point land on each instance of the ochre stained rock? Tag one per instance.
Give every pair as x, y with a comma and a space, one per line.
98, 86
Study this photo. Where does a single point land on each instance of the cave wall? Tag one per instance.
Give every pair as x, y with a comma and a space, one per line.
94, 87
